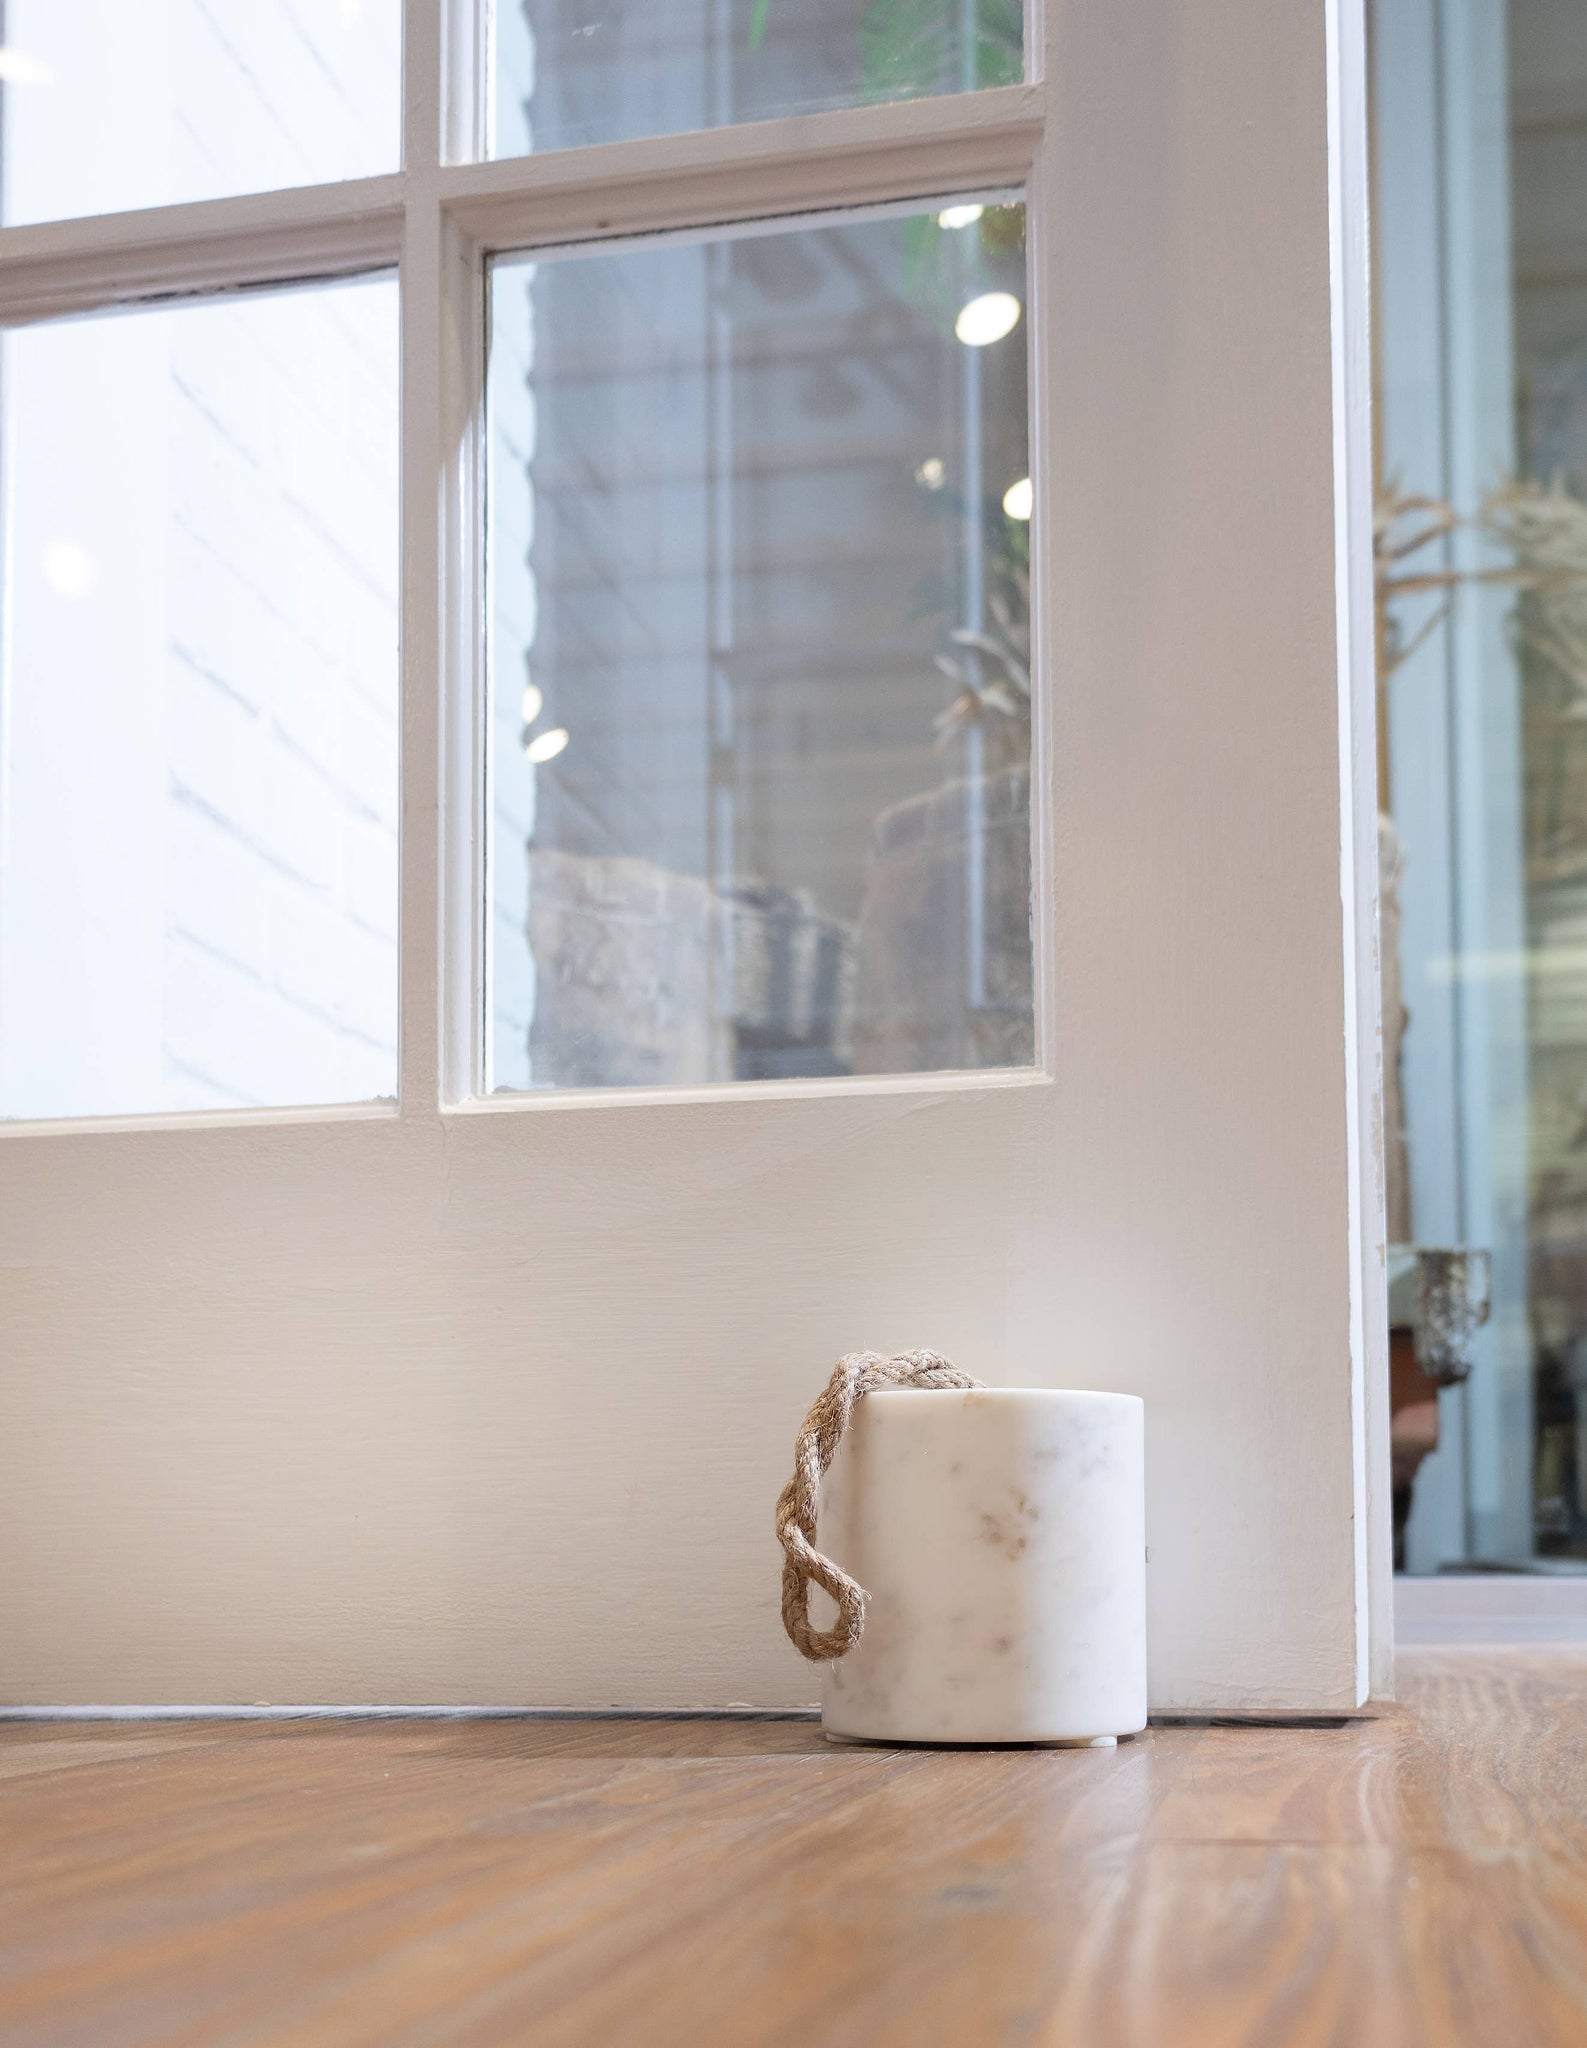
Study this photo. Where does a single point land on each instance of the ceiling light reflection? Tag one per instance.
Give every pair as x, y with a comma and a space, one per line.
68, 568
546, 746
987, 319
18, 68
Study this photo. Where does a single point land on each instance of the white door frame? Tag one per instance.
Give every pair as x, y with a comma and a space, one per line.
489, 1401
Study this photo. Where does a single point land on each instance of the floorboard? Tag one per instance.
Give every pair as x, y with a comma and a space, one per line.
1418, 1878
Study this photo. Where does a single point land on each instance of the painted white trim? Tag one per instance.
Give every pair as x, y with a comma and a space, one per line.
428, 80
16, 1129
751, 227
920, 1088
847, 158
1489, 1608
1350, 262
61, 268
467, 823
1042, 331
426, 472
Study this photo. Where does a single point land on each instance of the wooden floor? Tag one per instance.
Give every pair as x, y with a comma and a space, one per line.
1420, 1878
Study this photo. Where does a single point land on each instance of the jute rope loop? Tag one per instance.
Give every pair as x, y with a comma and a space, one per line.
861, 1373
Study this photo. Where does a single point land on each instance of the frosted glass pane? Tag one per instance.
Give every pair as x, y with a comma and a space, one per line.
107, 104
198, 746
575, 71
759, 537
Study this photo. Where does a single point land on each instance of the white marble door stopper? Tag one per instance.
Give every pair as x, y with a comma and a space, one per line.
987, 1551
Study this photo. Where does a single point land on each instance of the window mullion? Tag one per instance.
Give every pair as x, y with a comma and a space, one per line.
424, 525
73, 266
804, 163
424, 81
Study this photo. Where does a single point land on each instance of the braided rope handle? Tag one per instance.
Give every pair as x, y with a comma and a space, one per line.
861, 1373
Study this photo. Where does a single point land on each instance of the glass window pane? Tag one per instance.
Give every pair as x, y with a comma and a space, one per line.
1481, 327
198, 727
574, 71
107, 104
760, 631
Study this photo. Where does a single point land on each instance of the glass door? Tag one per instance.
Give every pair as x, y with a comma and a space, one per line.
1481, 261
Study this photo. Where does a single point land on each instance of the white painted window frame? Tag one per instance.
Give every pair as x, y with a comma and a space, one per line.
438, 222
439, 219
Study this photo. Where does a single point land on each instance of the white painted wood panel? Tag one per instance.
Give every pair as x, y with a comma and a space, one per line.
490, 1403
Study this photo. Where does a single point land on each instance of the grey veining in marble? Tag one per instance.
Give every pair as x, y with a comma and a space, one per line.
1001, 1535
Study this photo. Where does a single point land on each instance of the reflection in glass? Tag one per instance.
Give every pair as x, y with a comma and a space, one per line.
759, 659
1481, 164
578, 71
107, 104
198, 719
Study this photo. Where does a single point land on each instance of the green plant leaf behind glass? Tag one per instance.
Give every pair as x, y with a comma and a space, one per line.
913, 49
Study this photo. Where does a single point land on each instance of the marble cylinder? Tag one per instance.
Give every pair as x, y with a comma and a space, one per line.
1001, 1536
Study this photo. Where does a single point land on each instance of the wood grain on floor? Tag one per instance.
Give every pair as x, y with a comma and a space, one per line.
1419, 1878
